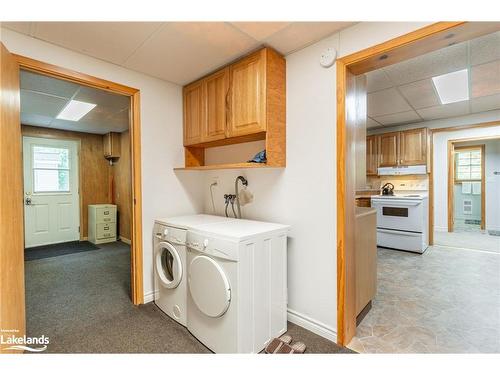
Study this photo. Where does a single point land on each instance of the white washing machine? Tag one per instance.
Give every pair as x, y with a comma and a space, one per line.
170, 261
237, 299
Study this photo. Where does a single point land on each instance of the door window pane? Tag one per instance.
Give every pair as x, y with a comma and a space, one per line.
468, 165
50, 169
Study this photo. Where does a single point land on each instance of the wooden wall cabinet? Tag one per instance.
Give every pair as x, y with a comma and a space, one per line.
247, 96
243, 102
111, 145
193, 112
413, 147
372, 155
403, 148
389, 149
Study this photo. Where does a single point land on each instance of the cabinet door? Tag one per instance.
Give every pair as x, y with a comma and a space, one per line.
247, 104
413, 147
388, 145
193, 113
216, 90
372, 155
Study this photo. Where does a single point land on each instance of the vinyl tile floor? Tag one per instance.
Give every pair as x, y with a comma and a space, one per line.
80, 301
477, 240
446, 300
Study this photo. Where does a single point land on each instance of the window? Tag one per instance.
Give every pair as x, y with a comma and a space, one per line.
468, 165
50, 169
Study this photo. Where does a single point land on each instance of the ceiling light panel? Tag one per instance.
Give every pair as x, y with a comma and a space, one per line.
452, 87
75, 110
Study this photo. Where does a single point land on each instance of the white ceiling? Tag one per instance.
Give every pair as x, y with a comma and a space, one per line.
178, 52
403, 93
42, 98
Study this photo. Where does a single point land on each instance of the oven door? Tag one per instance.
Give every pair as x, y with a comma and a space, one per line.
399, 214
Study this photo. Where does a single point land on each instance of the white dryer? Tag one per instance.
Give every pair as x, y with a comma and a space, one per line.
170, 261
237, 299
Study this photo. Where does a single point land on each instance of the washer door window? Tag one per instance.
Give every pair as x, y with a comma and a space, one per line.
168, 265
209, 286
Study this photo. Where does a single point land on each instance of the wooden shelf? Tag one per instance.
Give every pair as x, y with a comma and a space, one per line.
226, 166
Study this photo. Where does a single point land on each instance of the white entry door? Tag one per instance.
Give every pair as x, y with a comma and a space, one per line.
51, 200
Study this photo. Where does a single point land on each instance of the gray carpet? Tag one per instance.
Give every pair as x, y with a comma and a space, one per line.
80, 301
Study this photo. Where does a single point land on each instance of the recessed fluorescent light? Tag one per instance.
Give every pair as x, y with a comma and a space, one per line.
452, 87
75, 110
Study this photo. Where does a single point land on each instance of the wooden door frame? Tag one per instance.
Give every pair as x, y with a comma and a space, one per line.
452, 147
421, 41
136, 271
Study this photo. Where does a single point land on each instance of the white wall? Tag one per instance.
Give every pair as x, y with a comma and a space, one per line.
163, 192
441, 175
304, 193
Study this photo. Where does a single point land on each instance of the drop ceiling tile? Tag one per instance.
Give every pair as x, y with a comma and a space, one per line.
110, 41
386, 102
20, 27
300, 34
47, 85
40, 104
78, 126
103, 98
371, 123
485, 49
35, 120
420, 94
377, 80
443, 111
184, 51
486, 79
399, 118
485, 103
435, 63
260, 30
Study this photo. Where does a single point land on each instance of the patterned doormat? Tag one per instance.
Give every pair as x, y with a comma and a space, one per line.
58, 249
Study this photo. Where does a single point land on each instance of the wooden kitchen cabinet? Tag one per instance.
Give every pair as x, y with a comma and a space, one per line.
247, 96
111, 145
243, 102
372, 155
403, 148
193, 113
389, 149
413, 147
215, 100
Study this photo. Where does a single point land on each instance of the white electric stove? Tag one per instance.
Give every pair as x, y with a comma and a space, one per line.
403, 218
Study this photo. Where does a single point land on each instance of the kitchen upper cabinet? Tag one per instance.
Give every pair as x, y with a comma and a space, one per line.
193, 113
372, 155
402, 148
215, 97
389, 149
247, 96
413, 147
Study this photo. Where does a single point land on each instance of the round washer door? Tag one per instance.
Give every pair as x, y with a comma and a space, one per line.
209, 286
168, 265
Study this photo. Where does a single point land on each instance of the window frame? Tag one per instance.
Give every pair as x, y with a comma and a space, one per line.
33, 169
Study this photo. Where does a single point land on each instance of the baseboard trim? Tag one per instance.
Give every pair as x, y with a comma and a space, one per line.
312, 325
85, 239
149, 297
125, 240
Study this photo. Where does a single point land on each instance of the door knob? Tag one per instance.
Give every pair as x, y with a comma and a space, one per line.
28, 201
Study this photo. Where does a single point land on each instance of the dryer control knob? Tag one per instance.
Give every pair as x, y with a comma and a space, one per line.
165, 231
205, 243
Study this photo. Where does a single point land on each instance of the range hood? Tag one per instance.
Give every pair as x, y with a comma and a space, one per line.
402, 170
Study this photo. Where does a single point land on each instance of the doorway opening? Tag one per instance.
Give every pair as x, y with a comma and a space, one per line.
389, 89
